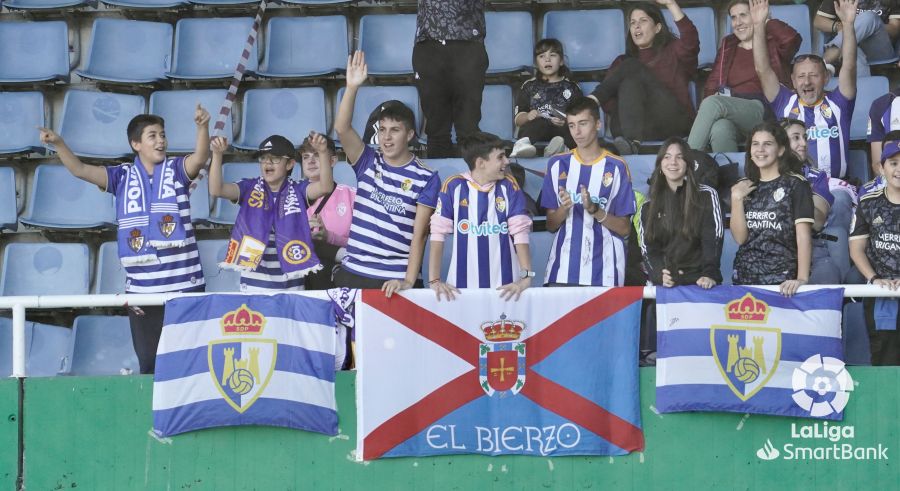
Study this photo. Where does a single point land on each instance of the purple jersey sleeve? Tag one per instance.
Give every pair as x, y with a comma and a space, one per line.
516, 199
818, 181
781, 101
549, 190
622, 204
114, 177
365, 160
876, 113
429, 194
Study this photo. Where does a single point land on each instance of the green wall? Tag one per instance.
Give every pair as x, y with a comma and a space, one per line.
92, 433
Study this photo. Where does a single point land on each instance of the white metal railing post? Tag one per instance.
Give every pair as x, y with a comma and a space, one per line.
18, 340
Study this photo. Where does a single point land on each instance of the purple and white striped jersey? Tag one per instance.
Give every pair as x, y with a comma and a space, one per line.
584, 252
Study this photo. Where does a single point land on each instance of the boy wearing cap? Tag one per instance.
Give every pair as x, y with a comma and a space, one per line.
156, 241
875, 249
394, 201
270, 243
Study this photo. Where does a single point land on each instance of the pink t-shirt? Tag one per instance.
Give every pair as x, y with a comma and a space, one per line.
336, 214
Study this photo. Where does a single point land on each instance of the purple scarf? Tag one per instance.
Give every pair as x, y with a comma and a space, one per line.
257, 217
147, 213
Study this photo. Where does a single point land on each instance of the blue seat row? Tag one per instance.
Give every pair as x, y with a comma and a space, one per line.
142, 4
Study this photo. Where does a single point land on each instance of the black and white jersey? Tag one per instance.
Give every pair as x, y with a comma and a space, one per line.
548, 98
878, 220
769, 256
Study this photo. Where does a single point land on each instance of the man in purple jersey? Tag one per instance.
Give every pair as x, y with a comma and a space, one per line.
826, 115
589, 201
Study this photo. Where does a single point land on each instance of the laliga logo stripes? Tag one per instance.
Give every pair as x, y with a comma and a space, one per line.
225, 109
821, 385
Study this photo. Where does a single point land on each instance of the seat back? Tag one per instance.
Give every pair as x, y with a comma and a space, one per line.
34, 51
128, 51
103, 346
388, 42
177, 108
496, 111
60, 200
109, 276
211, 48
212, 252
324, 48
540, 244
8, 207
509, 41
94, 124
592, 39
704, 19
45, 269
288, 112
20, 114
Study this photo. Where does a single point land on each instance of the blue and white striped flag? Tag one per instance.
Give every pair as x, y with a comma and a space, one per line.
227, 360
750, 350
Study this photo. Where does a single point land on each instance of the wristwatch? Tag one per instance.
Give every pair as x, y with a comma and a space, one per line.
526, 274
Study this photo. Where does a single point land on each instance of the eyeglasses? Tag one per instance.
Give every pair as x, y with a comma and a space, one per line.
271, 160
807, 57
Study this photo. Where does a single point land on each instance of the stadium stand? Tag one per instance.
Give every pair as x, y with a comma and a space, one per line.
212, 252
94, 124
145, 4
34, 52
8, 207
20, 113
210, 48
42, 4
128, 51
288, 112
592, 39
45, 269
59, 200
387, 41
509, 41
109, 276
324, 50
177, 108
102, 346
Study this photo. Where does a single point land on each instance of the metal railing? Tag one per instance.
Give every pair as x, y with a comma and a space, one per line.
19, 304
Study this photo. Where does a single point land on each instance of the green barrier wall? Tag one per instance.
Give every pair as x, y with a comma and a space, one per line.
92, 433
9, 432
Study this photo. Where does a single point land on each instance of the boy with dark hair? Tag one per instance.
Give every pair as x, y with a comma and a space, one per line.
484, 209
156, 240
875, 249
589, 201
394, 201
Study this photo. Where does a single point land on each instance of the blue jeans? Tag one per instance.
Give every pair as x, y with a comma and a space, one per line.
873, 41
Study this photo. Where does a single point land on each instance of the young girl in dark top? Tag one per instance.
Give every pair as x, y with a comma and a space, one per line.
772, 214
681, 224
542, 100
646, 90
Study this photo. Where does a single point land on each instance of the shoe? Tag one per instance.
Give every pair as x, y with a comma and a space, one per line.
556, 146
625, 146
523, 148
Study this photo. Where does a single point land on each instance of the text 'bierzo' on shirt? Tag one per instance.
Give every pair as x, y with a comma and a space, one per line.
268, 276
585, 252
384, 212
179, 267
827, 126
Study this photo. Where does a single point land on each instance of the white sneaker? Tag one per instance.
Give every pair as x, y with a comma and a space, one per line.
523, 148
556, 146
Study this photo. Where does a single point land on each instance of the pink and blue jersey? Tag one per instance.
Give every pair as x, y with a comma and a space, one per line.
827, 126
179, 267
584, 252
384, 211
486, 223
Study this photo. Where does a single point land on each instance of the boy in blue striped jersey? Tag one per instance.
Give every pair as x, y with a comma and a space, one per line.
484, 209
157, 250
394, 201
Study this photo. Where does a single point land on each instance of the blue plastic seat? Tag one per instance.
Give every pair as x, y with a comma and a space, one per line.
858, 165
535, 169
369, 97
34, 51
42, 4
20, 114
315, 2
447, 167
212, 252
49, 351
388, 42
177, 108
641, 168
704, 18
109, 276
496, 111
200, 203
128, 51
796, 16
224, 211
867, 90
292, 113
103, 346
8, 208
59, 200
540, 244
94, 124
726, 264
146, 4
592, 39
344, 174
305, 46
211, 48
45, 269
222, 2
509, 41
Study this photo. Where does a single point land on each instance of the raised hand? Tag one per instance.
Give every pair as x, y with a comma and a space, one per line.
846, 11
317, 142
201, 116
218, 145
565, 200
357, 71
48, 136
759, 12
742, 189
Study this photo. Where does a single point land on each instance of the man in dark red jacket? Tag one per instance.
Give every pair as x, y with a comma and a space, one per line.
734, 101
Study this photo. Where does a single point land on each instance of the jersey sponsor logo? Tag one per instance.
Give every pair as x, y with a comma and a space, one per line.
763, 219
576, 199
816, 132
481, 229
391, 204
887, 241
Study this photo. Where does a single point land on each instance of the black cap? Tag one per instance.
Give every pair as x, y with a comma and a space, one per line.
276, 145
